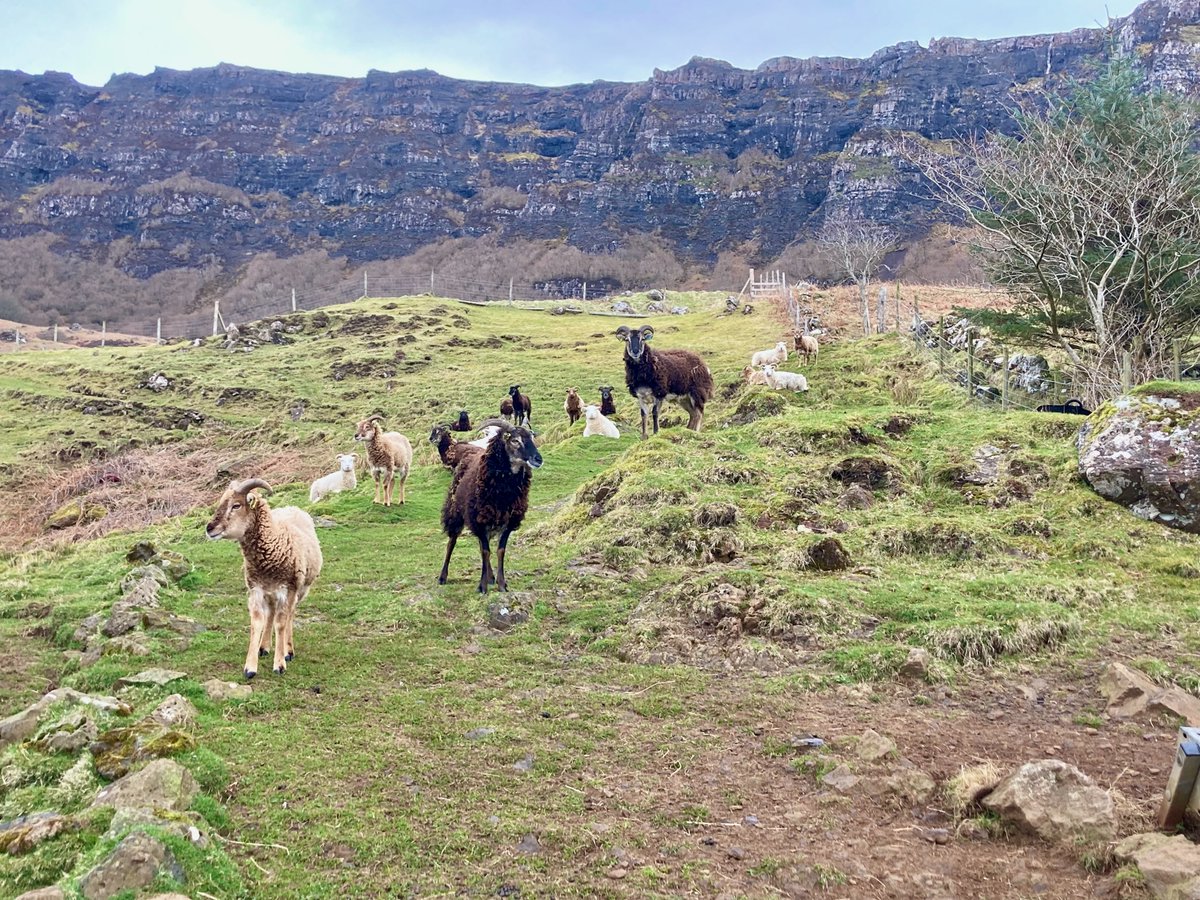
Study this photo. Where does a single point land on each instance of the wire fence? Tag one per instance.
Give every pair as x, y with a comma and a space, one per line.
270, 301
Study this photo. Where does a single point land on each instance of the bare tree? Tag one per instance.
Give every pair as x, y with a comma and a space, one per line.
1092, 219
857, 248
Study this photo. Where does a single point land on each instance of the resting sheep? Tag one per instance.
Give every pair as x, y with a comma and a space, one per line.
449, 450
654, 376
597, 424
807, 346
785, 381
388, 454
753, 376
573, 406
607, 406
522, 408
343, 479
463, 423
488, 494
776, 355
506, 409
282, 559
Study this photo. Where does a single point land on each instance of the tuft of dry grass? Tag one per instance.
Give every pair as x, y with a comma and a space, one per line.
972, 783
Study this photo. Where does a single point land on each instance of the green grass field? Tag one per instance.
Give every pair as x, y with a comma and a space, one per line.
671, 587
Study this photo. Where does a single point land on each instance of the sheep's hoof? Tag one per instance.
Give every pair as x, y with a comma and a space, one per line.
279, 670
290, 656
262, 651
441, 579
502, 586
249, 674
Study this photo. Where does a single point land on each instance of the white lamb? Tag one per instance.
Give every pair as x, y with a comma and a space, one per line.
489, 432
598, 424
785, 381
776, 355
343, 479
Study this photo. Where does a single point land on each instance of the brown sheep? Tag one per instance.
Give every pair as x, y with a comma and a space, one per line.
488, 494
282, 559
654, 376
573, 405
388, 454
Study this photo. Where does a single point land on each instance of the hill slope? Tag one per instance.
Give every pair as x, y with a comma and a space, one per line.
688, 618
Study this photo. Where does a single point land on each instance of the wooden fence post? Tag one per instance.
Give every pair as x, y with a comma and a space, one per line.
293, 299
103, 333
158, 331
510, 292
1176, 360
1126, 371
216, 315
56, 332
970, 364
897, 307
942, 345
1004, 382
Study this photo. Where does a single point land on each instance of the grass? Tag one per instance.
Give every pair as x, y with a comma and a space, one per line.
646, 567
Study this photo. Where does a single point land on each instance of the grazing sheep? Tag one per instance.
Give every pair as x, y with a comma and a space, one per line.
807, 346
598, 425
522, 408
607, 406
776, 355
654, 376
463, 423
506, 409
784, 381
573, 406
388, 454
488, 494
282, 559
753, 376
343, 479
449, 450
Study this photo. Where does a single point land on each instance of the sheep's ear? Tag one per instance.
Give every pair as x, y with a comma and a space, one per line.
623, 333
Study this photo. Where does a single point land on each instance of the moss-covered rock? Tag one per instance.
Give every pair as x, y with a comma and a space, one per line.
75, 512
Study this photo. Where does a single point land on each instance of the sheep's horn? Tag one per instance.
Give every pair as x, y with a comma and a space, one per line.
623, 332
250, 484
647, 332
378, 417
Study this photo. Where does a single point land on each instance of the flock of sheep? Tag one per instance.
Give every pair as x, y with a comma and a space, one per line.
489, 488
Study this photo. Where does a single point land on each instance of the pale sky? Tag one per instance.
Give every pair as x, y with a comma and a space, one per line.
546, 42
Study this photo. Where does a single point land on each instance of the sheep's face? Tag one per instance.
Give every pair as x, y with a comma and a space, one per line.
514, 391
438, 432
346, 461
232, 516
635, 341
521, 450
367, 430
572, 394
591, 413
781, 347
605, 392
463, 418
768, 370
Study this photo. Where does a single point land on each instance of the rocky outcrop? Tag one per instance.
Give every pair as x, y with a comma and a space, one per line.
1170, 865
1054, 800
1143, 451
230, 160
1130, 693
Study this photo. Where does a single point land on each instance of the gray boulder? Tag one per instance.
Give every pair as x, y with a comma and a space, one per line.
133, 864
163, 784
1143, 452
1054, 800
1170, 864
1130, 693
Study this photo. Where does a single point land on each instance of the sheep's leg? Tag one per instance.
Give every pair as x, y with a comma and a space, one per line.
642, 406
657, 405
501, 582
377, 478
389, 485
446, 563
485, 572
291, 645
259, 613
285, 601
403, 481
268, 630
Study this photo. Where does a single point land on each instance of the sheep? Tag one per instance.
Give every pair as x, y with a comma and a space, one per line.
607, 406
807, 346
451, 451
488, 494
598, 425
282, 559
506, 409
784, 381
753, 376
572, 405
343, 479
463, 423
522, 408
655, 376
489, 432
388, 453
776, 355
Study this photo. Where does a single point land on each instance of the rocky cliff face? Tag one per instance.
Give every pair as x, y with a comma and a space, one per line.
212, 165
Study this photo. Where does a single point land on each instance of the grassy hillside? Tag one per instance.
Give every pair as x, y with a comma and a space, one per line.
689, 613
